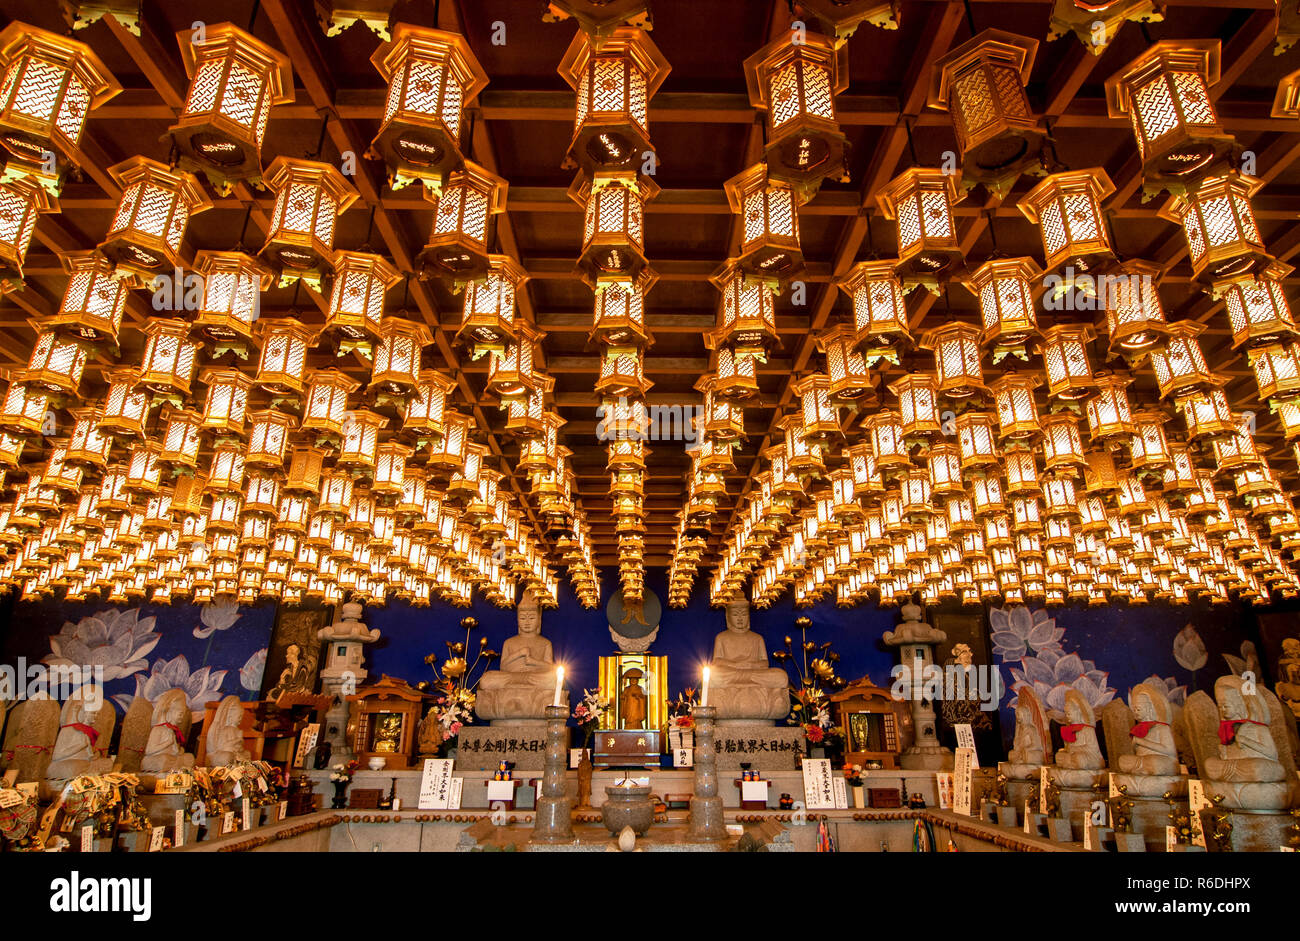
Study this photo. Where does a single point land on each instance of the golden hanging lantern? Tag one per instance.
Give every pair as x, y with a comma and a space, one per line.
1004, 289
614, 77
850, 376
226, 405
358, 449
917, 405
976, 440
125, 406
1062, 445
1135, 319
1095, 22
1223, 241
1109, 417
1258, 310
21, 200
803, 454
622, 372
619, 316
1064, 348
326, 403
1013, 394
724, 419
93, 301
424, 409
1207, 413
842, 17
232, 286
309, 198
488, 318
1277, 370
1179, 364
396, 368
795, 80
884, 430
235, 79
879, 314
525, 414
1148, 447
943, 462
1066, 207
357, 301
613, 239
283, 362
24, 408
432, 75
921, 200
769, 214
447, 452
182, 436
462, 212
510, 371
982, 84
820, 417
956, 348
167, 366
87, 446
145, 236
1165, 92
51, 83
746, 313
56, 362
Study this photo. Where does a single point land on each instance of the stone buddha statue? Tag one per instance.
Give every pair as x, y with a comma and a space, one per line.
1032, 742
742, 685
1242, 749
520, 690
1151, 767
1079, 764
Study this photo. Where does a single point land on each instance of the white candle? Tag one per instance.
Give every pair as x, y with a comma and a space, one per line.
559, 684
704, 694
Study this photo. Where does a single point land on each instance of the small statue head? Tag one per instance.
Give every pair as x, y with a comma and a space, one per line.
738, 617
528, 615
962, 654
1291, 647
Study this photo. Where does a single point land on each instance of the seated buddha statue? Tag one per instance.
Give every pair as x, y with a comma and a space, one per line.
742, 685
519, 691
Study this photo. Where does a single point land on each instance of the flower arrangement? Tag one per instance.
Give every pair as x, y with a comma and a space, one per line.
588, 713
453, 710
853, 775
680, 709
343, 772
454, 683
812, 673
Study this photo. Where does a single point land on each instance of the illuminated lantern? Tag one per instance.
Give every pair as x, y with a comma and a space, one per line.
1004, 289
1064, 348
1108, 410
87, 446
746, 314
447, 452
51, 83
1207, 413
358, 449
232, 287
724, 420
879, 314
309, 198
917, 405
397, 357
225, 470
1135, 318
283, 360
235, 79
956, 348
1223, 241
145, 236
1017, 410
884, 430
167, 367
56, 363
357, 301
982, 84
488, 319
1095, 22
462, 210
93, 301
1062, 445
819, 415
1179, 365
125, 406
510, 372
1258, 310
424, 409
23, 411
944, 464
227, 400
921, 199
1148, 448
843, 17
614, 77
1277, 370
181, 438
803, 455
768, 210
976, 440
1066, 207
268, 435
737, 372
850, 378
613, 239
619, 316
1165, 92
622, 372
1021, 470
20, 202
795, 80
326, 408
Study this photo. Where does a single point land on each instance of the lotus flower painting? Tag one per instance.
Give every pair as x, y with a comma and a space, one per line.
216, 617
1034, 639
116, 640
200, 687
250, 674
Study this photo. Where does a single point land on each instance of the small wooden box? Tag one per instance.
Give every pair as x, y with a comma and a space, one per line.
883, 797
750, 804
627, 748
678, 801
365, 798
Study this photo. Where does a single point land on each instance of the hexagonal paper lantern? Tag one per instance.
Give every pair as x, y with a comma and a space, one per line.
1004, 288
921, 200
125, 407
1148, 446
424, 409
1165, 92
181, 438
1108, 411
226, 405
144, 238
1066, 207
795, 80
167, 366
432, 75
50, 84
1064, 348
917, 405
819, 415
56, 362
976, 440
24, 408
21, 200
746, 313
619, 315
326, 403
1223, 241
1207, 413
850, 377
879, 313
1258, 310
510, 372
613, 238
622, 372
488, 315
614, 81
768, 210
359, 447
1179, 365
1017, 409
232, 286
309, 197
282, 366
93, 301
982, 84
462, 212
235, 79
1135, 318
357, 301
1277, 370
884, 430
956, 348
396, 367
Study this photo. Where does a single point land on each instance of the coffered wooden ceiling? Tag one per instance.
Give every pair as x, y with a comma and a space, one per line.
704, 131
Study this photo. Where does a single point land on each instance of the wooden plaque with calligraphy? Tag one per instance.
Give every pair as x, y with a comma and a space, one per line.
626, 748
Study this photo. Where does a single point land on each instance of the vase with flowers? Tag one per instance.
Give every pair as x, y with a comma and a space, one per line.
453, 690
341, 776
587, 714
811, 667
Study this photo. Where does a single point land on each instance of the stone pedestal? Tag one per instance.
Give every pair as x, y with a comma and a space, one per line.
1260, 832
706, 804
335, 729
916, 641
1149, 818
1018, 792
554, 820
1076, 804
482, 748
761, 745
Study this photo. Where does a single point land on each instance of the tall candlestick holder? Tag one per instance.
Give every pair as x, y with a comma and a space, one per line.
554, 823
706, 806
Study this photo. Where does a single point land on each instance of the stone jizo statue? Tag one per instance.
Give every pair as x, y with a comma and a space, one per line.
1149, 767
1029, 750
225, 742
164, 750
519, 691
82, 742
1079, 764
742, 685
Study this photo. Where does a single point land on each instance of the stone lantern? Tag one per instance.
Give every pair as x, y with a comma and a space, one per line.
344, 671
